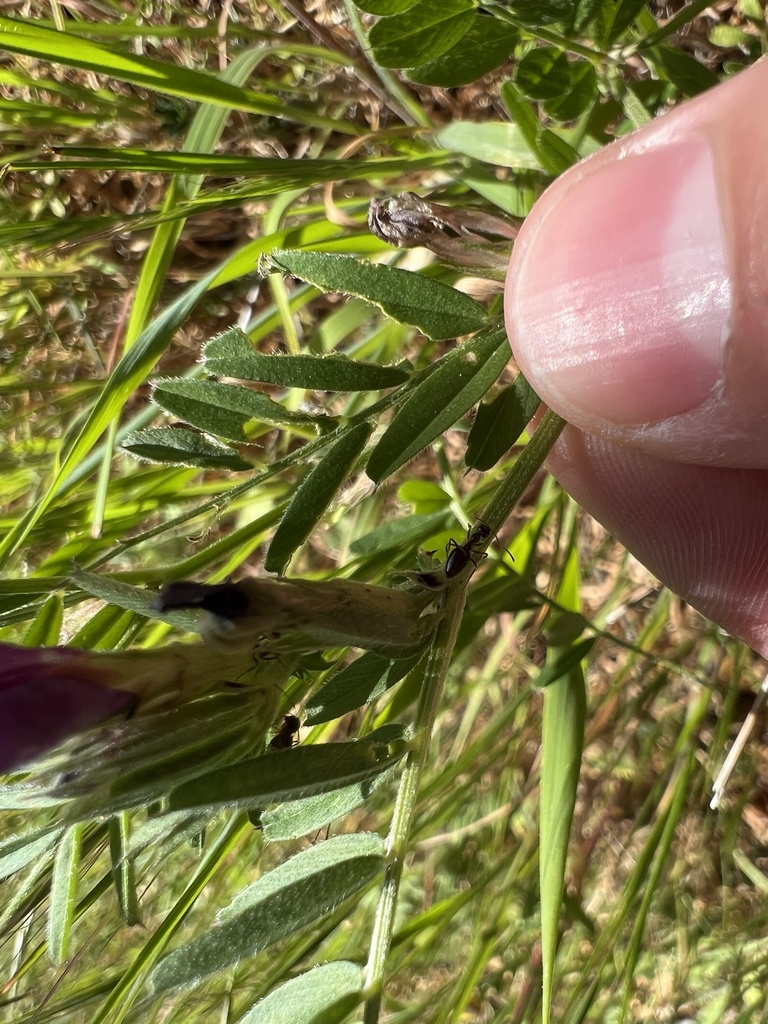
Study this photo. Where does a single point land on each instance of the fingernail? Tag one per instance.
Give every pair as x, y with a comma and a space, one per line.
621, 296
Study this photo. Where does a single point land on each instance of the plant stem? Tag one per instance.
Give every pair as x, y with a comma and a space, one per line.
398, 98
525, 468
435, 673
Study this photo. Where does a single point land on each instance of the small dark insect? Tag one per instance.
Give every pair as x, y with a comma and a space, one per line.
286, 735
458, 556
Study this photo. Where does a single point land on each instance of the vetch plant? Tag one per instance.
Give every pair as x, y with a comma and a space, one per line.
299, 434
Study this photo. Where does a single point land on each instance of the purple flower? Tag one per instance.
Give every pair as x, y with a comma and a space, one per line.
48, 694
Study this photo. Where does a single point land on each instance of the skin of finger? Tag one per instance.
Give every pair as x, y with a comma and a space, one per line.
700, 529
731, 428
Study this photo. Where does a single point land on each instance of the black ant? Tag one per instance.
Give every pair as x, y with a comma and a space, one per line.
286, 735
458, 556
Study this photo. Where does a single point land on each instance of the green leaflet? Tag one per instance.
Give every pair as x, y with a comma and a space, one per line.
63, 891
359, 683
323, 994
16, 852
231, 354
314, 494
438, 310
224, 409
456, 383
305, 816
494, 142
402, 534
291, 896
498, 424
182, 446
542, 74
422, 33
123, 869
486, 45
293, 774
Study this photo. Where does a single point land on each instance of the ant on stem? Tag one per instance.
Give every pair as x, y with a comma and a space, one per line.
458, 557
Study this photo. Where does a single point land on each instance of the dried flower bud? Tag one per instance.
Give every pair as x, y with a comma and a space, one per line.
468, 239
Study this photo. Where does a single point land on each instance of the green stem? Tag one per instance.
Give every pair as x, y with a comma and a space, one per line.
411, 110
592, 54
435, 673
682, 18
530, 460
